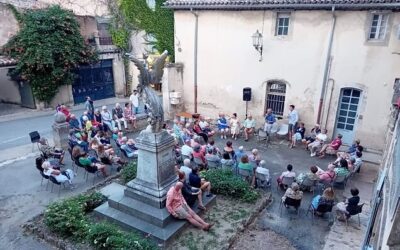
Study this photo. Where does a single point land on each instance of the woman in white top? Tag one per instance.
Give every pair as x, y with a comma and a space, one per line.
288, 173
61, 176
235, 126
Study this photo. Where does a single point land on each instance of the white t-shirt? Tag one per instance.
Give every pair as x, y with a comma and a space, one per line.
134, 100
288, 174
203, 124
322, 137
186, 150
187, 172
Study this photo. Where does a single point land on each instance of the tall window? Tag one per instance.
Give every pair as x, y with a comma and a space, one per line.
378, 26
282, 24
276, 92
104, 34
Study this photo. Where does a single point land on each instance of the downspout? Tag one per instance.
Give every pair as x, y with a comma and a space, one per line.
330, 101
327, 66
196, 32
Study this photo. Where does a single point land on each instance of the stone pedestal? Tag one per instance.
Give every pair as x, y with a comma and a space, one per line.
60, 135
155, 172
141, 204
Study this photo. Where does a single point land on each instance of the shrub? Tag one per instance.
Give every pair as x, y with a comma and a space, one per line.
67, 217
129, 172
108, 236
224, 182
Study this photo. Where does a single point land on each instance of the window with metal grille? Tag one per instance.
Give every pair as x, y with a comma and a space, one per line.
282, 24
276, 92
104, 34
378, 26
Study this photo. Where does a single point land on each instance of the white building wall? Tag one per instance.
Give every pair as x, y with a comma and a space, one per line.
227, 62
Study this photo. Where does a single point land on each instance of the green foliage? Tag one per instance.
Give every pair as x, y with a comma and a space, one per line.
129, 172
224, 182
120, 38
48, 47
108, 236
158, 23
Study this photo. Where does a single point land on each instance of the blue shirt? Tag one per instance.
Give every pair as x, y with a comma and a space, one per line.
293, 117
194, 180
222, 123
74, 124
270, 118
352, 149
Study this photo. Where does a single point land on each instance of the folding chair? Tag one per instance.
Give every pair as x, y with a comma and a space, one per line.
340, 180
245, 174
263, 180
308, 184
322, 208
35, 137
359, 211
55, 182
283, 130
213, 164
290, 203
286, 182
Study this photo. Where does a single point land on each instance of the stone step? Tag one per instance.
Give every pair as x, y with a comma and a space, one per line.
130, 222
150, 214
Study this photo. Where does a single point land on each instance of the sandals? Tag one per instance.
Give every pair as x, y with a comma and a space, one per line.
202, 208
209, 227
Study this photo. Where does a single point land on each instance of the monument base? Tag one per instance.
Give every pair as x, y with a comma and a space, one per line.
132, 214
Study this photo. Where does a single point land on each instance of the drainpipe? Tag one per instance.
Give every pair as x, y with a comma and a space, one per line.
196, 32
330, 101
327, 66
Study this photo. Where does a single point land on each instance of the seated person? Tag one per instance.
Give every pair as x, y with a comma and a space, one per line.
246, 166
107, 119
61, 176
186, 168
120, 135
199, 132
298, 135
191, 194
211, 145
331, 148
187, 150
223, 126
254, 158
88, 124
249, 127
130, 152
118, 117
353, 148
128, 114
131, 144
197, 182
358, 162
342, 169
199, 155
188, 131
327, 176
82, 121
262, 170
317, 144
63, 109
289, 173
77, 152
229, 149
226, 161
235, 126
345, 209
292, 192
74, 123
312, 175
91, 164
346, 155
327, 198
270, 120
178, 208
49, 151
205, 126
108, 156
313, 134
178, 132
212, 156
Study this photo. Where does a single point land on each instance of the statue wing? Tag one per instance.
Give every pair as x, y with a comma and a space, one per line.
158, 68
144, 76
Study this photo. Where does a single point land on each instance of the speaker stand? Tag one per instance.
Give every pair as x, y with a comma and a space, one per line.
246, 108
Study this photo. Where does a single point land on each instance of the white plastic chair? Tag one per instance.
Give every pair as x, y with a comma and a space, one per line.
283, 130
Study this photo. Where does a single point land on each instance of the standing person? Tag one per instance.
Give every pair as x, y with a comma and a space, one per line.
89, 107
235, 126
128, 114
270, 119
293, 118
134, 98
178, 208
118, 115
249, 127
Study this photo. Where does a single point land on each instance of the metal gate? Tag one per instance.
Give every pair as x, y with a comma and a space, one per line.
27, 99
96, 81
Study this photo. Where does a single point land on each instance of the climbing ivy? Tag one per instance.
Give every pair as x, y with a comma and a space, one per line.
48, 47
158, 23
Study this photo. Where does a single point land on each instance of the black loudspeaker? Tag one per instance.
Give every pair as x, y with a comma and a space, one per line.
35, 137
246, 94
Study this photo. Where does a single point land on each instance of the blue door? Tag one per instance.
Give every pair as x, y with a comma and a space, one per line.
348, 114
96, 81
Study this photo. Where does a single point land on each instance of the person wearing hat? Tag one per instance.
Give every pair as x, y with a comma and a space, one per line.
49, 151
107, 118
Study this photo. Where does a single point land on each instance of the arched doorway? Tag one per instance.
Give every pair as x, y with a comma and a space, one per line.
347, 114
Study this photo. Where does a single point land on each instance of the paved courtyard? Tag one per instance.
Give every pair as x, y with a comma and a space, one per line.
22, 197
